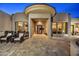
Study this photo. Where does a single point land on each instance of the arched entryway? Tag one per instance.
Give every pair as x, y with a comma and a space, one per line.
39, 19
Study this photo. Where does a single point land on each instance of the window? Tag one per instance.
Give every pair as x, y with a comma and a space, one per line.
21, 26
54, 28
25, 26
65, 27
60, 27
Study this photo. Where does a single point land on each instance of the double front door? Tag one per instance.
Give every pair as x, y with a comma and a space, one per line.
39, 29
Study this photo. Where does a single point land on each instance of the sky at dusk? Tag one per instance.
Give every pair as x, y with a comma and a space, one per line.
72, 8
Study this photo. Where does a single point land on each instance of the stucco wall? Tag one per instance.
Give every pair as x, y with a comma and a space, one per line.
62, 16
5, 22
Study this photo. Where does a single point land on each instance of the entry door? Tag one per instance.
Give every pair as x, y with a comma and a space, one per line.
39, 29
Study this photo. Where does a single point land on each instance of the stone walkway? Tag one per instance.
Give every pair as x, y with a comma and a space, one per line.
8, 48
36, 47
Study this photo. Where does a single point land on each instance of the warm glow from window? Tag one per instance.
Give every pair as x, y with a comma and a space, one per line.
20, 24
64, 27
59, 25
54, 26
72, 29
25, 26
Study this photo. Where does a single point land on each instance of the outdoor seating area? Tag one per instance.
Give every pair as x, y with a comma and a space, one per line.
11, 36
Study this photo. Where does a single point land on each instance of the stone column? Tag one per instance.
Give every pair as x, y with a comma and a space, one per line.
69, 26
49, 27
13, 23
29, 24
56, 27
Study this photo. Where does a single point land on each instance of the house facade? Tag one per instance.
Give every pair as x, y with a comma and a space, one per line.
39, 19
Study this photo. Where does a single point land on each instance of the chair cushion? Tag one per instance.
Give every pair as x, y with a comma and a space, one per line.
3, 38
17, 39
8, 34
20, 35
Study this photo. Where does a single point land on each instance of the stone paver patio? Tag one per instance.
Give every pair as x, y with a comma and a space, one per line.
36, 47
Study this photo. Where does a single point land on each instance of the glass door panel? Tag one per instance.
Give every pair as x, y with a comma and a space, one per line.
39, 29
65, 27
60, 27
25, 26
54, 28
